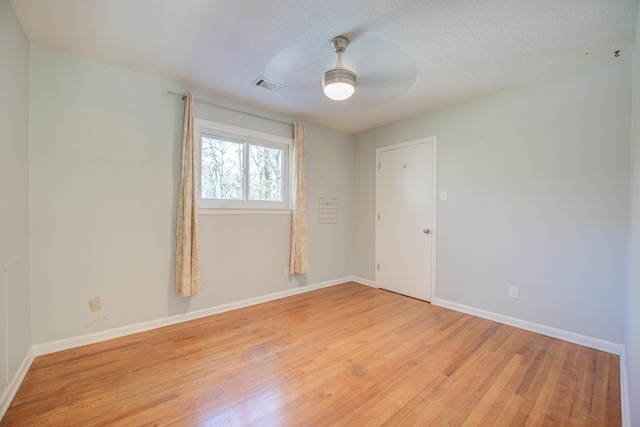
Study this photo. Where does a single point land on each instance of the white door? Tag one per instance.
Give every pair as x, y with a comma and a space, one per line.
405, 222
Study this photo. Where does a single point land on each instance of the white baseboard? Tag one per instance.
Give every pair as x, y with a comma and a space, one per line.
364, 281
583, 340
624, 391
11, 390
69, 343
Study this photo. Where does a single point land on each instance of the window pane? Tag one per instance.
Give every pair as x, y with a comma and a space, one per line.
265, 173
222, 169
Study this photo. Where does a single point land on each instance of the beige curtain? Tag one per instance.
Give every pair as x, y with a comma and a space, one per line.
299, 261
188, 276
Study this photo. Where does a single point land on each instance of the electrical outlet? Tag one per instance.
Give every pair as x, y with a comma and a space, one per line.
513, 292
95, 304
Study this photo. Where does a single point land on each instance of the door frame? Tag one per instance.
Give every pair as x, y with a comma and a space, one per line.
434, 206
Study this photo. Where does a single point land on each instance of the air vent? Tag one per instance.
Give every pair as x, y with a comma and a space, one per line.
267, 84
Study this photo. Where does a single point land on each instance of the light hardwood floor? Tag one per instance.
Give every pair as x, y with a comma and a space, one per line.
344, 355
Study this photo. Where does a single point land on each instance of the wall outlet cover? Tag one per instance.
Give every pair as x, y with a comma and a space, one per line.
95, 304
513, 292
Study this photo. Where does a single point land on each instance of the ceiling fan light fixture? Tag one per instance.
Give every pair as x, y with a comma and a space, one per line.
339, 84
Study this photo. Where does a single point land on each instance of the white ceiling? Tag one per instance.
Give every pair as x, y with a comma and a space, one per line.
410, 56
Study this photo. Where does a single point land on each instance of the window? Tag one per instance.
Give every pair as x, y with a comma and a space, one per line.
242, 169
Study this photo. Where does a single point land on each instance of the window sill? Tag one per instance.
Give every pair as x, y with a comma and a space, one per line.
228, 211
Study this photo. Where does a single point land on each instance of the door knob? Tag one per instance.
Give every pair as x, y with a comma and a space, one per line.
426, 231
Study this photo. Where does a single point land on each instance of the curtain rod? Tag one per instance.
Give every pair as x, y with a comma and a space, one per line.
230, 108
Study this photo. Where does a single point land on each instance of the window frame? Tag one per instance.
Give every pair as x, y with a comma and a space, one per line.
248, 137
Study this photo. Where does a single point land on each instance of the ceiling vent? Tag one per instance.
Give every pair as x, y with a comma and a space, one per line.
267, 84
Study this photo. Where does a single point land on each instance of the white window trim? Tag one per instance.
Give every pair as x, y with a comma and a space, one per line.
229, 207
229, 211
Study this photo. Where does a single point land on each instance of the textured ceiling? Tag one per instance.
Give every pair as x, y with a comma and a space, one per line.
411, 56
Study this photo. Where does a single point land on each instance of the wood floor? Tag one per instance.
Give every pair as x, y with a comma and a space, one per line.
345, 355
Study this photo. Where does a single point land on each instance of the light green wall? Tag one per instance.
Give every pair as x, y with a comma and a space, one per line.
105, 162
632, 320
15, 307
538, 182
